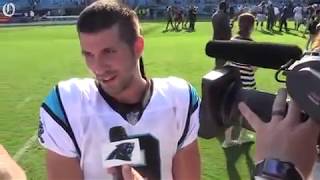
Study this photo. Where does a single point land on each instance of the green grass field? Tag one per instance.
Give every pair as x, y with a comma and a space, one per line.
34, 59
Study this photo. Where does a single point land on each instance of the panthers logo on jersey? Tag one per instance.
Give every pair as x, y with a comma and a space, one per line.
123, 152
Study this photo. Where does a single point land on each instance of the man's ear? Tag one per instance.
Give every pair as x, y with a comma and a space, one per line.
139, 46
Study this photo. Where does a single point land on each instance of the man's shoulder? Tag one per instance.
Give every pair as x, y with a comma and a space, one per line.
69, 95
74, 87
218, 14
171, 80
173, 85
178, 90
77, 83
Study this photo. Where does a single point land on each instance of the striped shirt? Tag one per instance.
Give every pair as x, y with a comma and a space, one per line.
246, 70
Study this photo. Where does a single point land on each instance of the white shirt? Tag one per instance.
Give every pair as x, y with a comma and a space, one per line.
297, 12
78, 103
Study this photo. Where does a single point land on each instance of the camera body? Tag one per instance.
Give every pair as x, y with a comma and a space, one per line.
222, 91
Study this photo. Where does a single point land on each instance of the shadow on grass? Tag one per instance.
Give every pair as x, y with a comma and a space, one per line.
151, 29
293, 33
273, 32
233, 154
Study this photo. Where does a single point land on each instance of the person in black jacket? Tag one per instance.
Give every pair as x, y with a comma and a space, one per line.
192, 18
271, 17
283, 19
221, 28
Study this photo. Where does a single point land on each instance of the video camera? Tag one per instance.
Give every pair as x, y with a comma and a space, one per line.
222, 89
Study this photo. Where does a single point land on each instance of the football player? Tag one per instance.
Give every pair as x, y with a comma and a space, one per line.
76, 116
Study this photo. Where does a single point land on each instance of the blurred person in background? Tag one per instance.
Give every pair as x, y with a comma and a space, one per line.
246, 26
221, 28
313, 31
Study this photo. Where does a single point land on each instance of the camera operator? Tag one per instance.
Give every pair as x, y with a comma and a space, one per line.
286, 146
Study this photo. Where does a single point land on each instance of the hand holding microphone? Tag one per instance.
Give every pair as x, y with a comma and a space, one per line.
127, 173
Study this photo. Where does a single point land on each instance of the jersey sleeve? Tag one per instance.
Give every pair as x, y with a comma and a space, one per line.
54, 132
191, 129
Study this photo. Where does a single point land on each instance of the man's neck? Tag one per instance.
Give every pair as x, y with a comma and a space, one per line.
134, 92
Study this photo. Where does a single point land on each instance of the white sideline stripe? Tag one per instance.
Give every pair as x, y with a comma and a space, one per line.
19, 154
24, 102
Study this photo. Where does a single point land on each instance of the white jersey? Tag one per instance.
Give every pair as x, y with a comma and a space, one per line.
276, 11
75, 120
298, 13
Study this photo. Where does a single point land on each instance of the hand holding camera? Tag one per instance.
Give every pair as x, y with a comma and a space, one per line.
286, 136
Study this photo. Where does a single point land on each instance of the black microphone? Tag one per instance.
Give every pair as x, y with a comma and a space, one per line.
266, 55
149, 145
117, 133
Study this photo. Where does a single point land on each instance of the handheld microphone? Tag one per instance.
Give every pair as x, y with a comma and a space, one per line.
266, 55
140, 151
117, 133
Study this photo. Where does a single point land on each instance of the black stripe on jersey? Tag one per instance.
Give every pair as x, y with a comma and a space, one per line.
191, 109
247, 80
249, 85
54, 117
69, 129
60, 122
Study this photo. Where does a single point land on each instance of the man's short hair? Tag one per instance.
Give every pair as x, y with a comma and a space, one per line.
246, 19
246, 23
103, 14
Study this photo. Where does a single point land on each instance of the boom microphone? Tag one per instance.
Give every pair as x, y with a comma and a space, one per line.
266, 55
